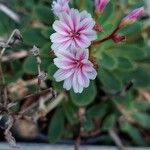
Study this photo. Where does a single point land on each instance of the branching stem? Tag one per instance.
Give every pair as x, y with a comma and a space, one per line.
98, 42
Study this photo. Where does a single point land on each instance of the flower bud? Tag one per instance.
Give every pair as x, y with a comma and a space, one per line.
60, 6
117, 38
98, 28
100, 5
132, 16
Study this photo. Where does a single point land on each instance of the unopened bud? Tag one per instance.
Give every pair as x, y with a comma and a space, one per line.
98, 28
100, 5
35, 51
132, 17
117, 38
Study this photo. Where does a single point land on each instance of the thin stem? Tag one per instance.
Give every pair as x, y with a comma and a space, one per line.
1, 70
39, 73
52, 105
1, 74
106, 38
10, 13
55, 103
36, 52
78, 142
8, 42
81, 116
116, 139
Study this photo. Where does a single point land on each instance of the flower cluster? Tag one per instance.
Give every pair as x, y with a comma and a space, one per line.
74, 33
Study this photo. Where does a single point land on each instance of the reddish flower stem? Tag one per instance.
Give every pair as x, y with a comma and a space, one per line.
106, 38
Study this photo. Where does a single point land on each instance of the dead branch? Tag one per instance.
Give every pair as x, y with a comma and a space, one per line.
42, 76
81, 116
9, 13
116, 139
13, 56
8, 135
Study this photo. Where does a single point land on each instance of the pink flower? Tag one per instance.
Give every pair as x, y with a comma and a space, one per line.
75, 69
73, 31
132, 16
60, 6
100, 5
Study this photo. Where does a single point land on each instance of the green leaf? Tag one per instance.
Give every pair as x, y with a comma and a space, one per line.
125, 64
107, 13
88, 125
47, 32
44, 14
142, 106
56, 126
51, 70
142, 118
6, 24
109, 122
89, 6
131, 30
70, 111
108, 61
108, 29
33, 36
58, 86
133, 133
9, 78
128, 51
45, 51
30, 65
97, 111
68, 134
86, 97
140, 76
109, 80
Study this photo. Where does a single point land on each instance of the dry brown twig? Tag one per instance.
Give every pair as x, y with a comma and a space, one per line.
116, 139
4, 97
42, 76
14, 16
11, 40
41, 96
8, 135
15, 35
16, 55
81, 116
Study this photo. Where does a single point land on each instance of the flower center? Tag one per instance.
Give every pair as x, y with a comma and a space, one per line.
74, 34
79, 64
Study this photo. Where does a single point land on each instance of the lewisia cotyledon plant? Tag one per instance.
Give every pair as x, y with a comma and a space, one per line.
132, 16
75, 69
74, 33
74, 30
60, 6
100, 5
